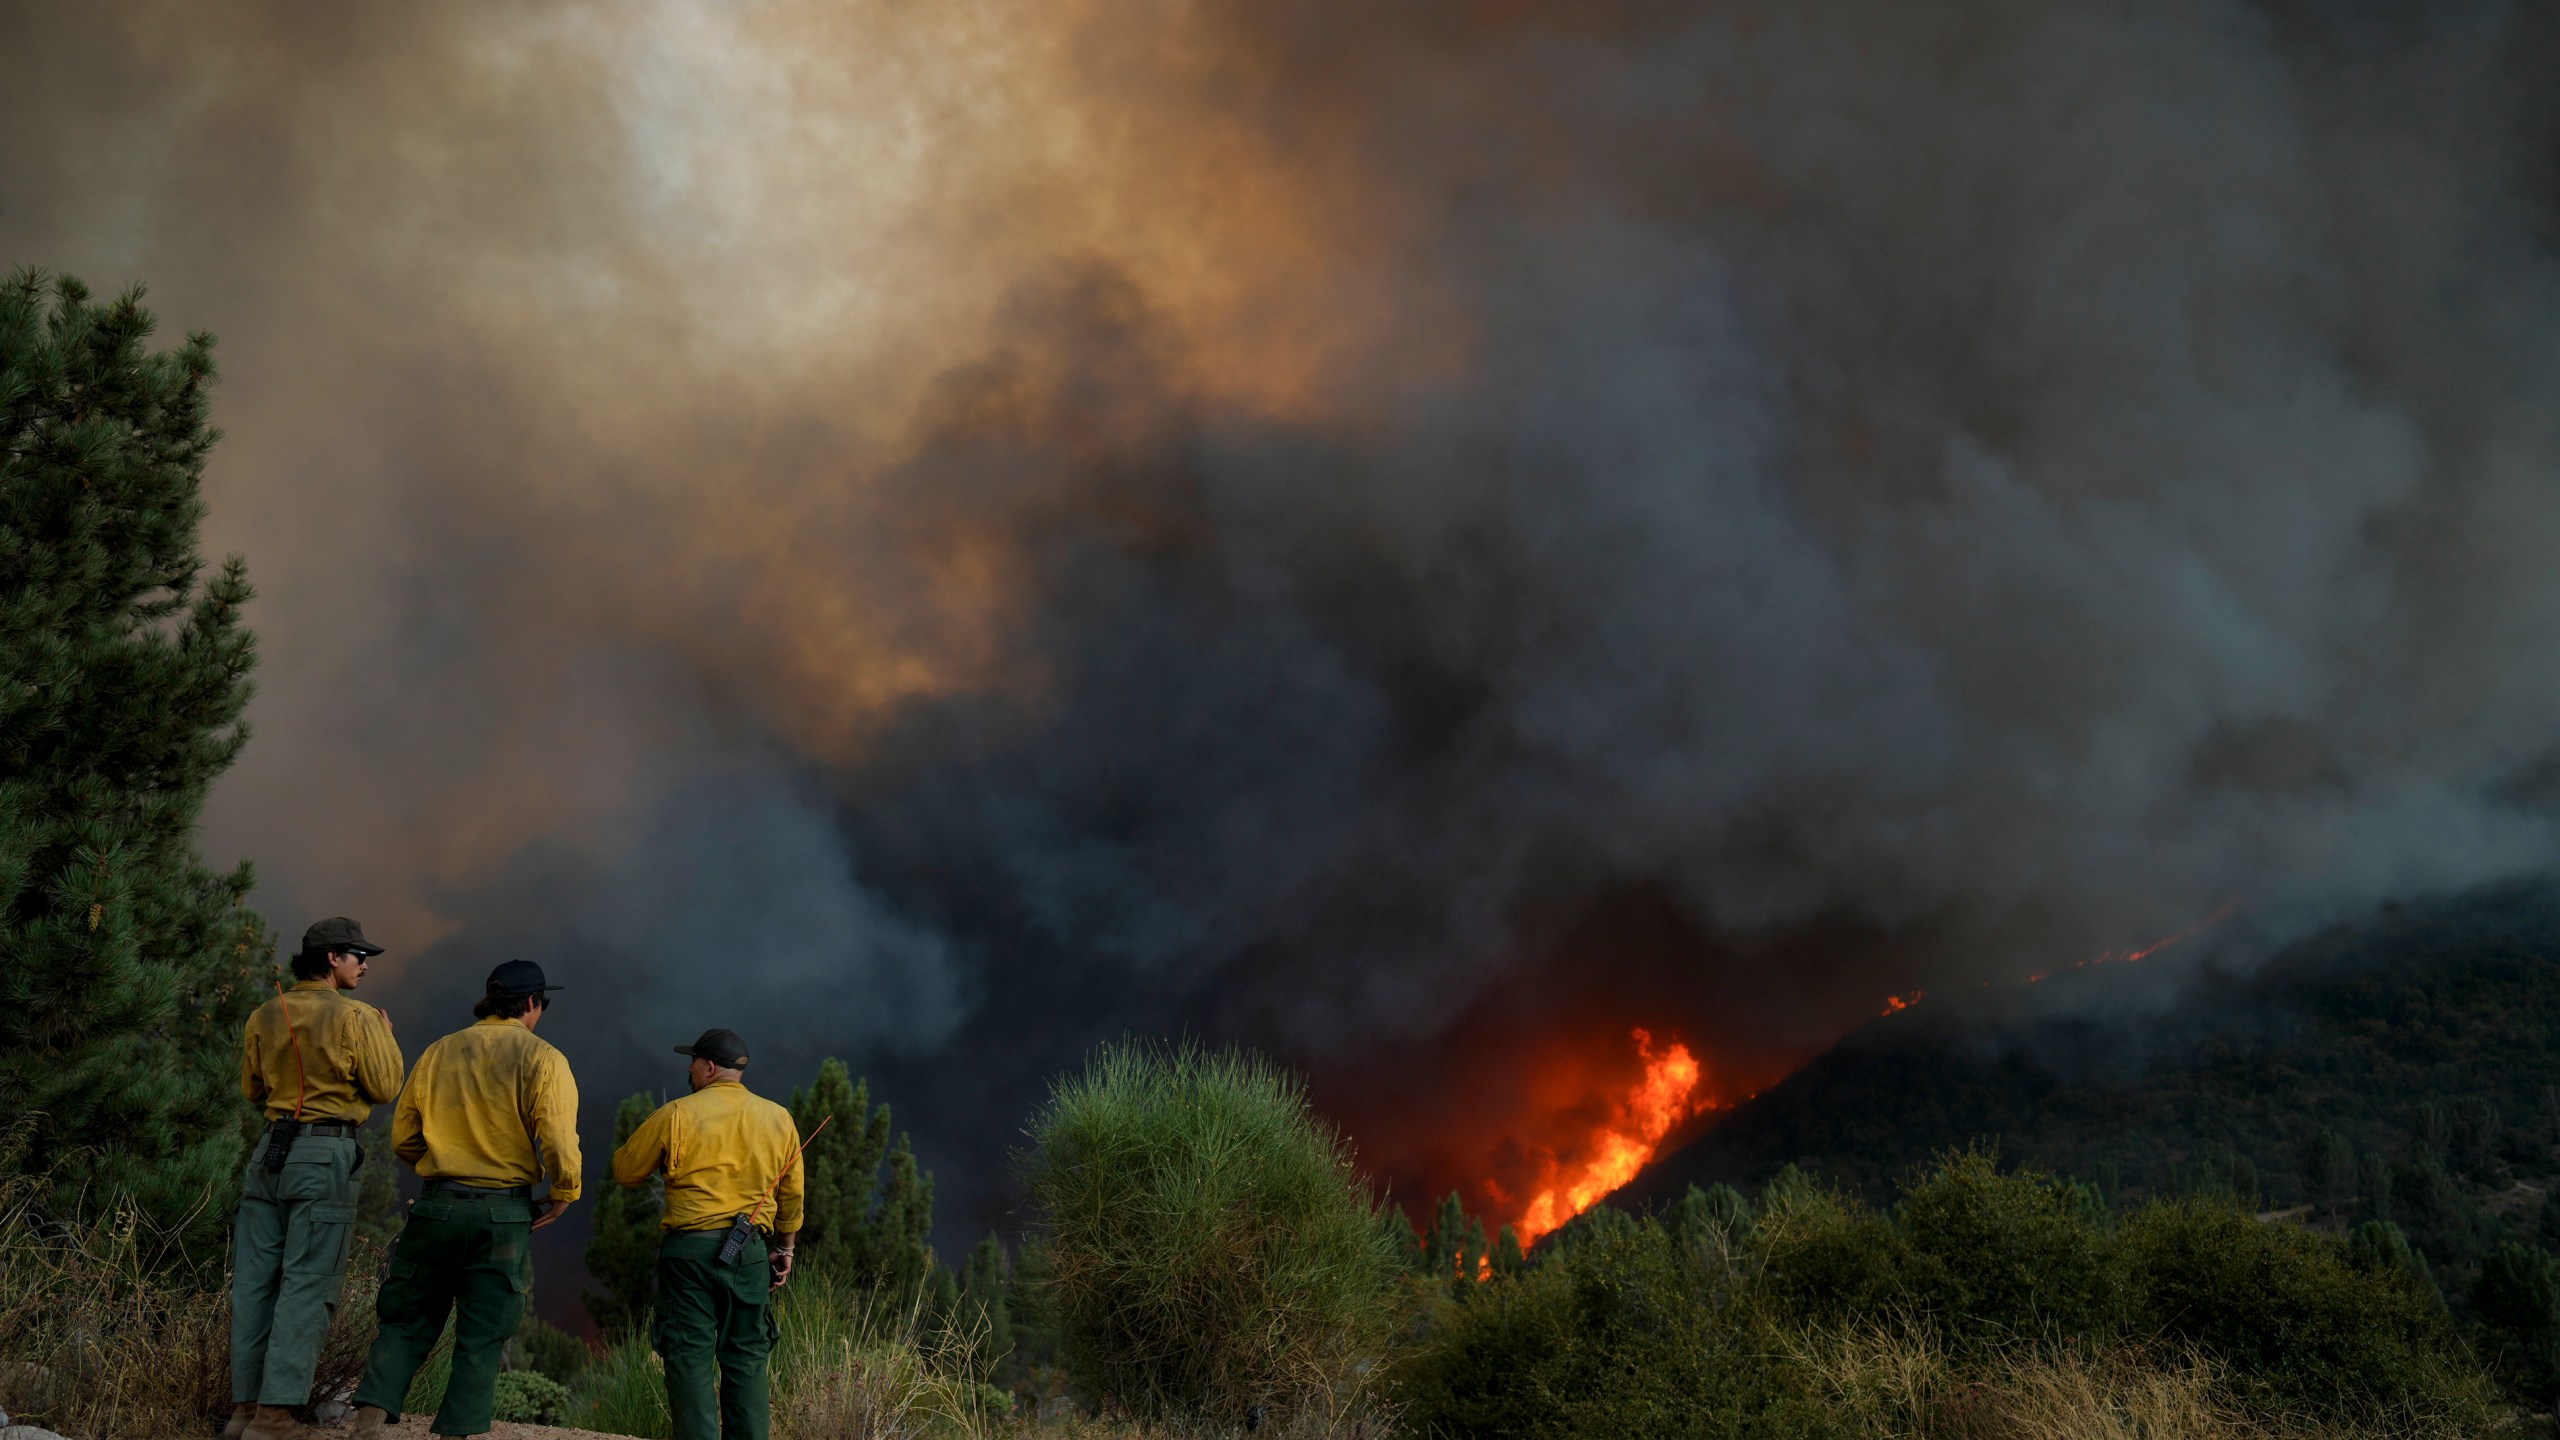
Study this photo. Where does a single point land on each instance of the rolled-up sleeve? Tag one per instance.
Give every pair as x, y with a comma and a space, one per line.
377, 1058
788, 1198
554, 1124
645, 1153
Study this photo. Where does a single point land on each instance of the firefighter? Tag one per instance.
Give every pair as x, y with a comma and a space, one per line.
728, 1155
315, 1060
489, 1110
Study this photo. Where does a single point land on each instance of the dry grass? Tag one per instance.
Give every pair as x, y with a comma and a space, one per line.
1896, 1381
100, 1337
97, 1339
1301, 1427
852, 1367
844, 1391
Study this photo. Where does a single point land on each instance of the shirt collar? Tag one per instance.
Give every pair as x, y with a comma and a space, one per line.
501, 1020
313, 985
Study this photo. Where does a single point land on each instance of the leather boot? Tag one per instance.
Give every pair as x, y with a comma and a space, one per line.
274, 1422
239, 1421
369, 1422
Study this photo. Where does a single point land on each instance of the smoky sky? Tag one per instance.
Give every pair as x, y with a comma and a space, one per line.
940, 535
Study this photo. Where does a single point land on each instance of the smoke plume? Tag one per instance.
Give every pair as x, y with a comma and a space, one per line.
940, 534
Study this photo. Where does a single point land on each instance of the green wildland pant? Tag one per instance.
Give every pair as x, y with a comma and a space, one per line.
470, 1255
288, 1263
715, 1319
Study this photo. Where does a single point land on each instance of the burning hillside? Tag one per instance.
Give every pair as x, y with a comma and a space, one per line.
1570, 1108
1667, 1096
947, 533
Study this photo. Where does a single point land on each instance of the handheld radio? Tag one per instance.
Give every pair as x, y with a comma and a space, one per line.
742, 1226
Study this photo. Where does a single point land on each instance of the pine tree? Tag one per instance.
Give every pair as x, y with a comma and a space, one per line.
2517, 1298
1454, 1248
1402, 1238
2382, 1247
623, 1254
2108, 1177
130, 965
2475, 1130
1717, 1214
1027, 1303
2373, 1189
841, 1166
2329, 1170
897, 1245
871, 1228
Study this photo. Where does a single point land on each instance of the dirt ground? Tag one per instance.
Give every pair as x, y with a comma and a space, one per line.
414, 1427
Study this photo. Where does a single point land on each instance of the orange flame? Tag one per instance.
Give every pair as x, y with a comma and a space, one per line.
2139, 954
2135, 956
1667, 1095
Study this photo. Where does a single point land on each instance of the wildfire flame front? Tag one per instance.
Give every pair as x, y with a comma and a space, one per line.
1667, 1095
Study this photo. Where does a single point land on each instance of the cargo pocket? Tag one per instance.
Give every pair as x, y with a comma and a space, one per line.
750, 1281
511, 1250
327, 1230
403, 1293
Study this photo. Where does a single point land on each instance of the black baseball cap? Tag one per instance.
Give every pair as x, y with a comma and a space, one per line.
519, 977
721, 1047
337, 933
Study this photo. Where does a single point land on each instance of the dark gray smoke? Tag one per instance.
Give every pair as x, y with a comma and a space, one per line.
939, 540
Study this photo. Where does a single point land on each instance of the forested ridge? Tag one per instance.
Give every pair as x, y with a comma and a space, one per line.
2402, 1067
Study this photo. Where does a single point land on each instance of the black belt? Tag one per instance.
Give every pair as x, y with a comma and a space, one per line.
282, 1133
337, 1128
479, 1192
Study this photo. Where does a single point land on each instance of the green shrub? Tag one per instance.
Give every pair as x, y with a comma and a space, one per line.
1987, 1304
1995, 1257
1209, 1248
2383, 1247
1620, 1334
529, 1397
1716, 1214
1822, 1257
2518, 1302
2285, 1309
546, 1348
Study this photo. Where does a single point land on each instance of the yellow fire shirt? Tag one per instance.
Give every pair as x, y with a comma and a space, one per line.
318, 1052
481, 1101
721, 1148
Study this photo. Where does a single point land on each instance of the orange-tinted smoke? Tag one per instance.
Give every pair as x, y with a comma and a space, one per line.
641, 302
